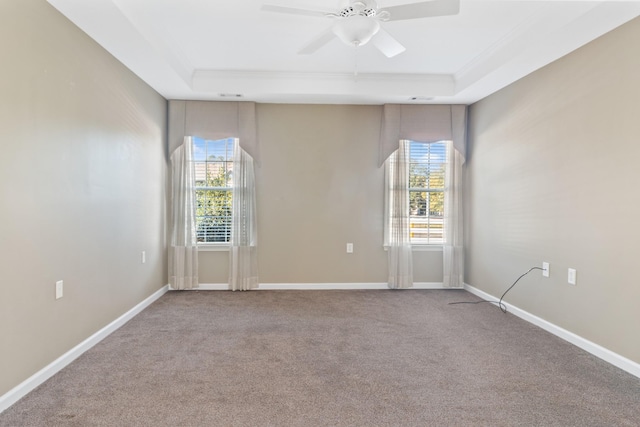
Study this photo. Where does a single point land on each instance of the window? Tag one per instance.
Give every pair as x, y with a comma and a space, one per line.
214, 178
427, 167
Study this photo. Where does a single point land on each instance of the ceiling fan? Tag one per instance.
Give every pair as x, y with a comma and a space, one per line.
358, 22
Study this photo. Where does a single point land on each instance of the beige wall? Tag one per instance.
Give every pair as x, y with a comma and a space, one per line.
82, 188
552, 176
318, 188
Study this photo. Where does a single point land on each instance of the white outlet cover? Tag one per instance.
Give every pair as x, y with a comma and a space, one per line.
59, 289
349, 248
571, 276
545, 269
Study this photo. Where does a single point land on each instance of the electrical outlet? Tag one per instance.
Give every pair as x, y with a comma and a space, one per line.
144, 257
545, 269
571, 276
59, 289
349, 248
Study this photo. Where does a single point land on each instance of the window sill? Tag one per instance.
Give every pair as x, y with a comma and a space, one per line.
426, 248
214, 247
423, 248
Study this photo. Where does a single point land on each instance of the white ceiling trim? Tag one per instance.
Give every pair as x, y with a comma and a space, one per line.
172, 54
339, 84
514, 58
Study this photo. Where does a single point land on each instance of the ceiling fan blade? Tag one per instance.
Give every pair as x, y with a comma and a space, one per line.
387, 44
423, 9
323, 38
294, 11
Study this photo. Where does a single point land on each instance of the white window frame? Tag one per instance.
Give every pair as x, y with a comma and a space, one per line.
427, 247
214, 246
429, 219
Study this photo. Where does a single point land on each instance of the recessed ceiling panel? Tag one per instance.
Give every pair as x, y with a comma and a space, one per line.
178, 45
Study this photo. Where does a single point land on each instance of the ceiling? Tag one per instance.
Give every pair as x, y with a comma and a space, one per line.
231, 50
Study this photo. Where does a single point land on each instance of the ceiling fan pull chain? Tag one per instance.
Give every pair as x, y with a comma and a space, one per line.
355, 62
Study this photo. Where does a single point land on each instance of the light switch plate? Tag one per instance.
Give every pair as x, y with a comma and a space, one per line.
571, 276
349, 248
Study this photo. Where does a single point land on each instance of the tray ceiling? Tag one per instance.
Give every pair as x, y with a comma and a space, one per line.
221, 50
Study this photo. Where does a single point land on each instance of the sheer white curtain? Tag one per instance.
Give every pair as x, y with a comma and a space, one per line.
433, 123
183, 248
243, 254
453, 253
397, 218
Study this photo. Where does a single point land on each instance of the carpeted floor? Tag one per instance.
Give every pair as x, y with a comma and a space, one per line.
331, 358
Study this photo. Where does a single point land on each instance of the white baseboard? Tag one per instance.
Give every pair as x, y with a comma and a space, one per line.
597, 350
318, 286
210, 287
19, 391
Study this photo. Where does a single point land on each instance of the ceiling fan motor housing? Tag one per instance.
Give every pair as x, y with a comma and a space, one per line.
357, 22
358, 9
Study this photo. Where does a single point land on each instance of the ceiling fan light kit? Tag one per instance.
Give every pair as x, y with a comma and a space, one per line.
356, 31
359, 22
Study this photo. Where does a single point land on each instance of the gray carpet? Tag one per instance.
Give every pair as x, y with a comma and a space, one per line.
330, 358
